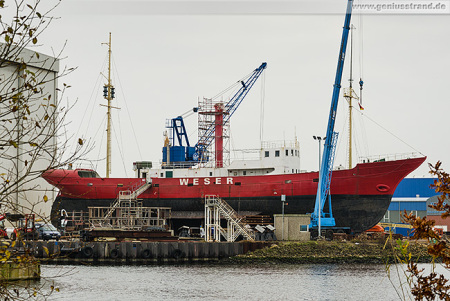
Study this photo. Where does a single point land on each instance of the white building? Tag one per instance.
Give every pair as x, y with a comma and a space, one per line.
27, 129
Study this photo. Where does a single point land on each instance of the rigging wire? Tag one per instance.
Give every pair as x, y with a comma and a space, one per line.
101, 141
365, 115
365, 142
344, 126
361, 145
120, 149
100, 127
93, 94
119, 137
128, 111
90, 104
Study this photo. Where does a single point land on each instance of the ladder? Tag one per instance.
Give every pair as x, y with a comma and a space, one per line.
126, 195
215, 207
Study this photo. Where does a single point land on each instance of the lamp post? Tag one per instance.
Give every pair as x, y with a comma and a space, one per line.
283, 201
320, 149
319, 190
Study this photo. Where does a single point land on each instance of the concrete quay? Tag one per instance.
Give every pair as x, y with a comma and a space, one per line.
139, 252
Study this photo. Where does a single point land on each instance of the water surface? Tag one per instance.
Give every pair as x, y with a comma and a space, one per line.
225, 282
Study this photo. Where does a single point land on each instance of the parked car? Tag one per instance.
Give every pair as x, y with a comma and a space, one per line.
48, 231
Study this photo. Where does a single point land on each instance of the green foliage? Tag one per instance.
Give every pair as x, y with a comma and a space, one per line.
32, 121
433, 285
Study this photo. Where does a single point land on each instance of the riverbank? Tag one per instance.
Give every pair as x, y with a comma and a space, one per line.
137, 252
336, 252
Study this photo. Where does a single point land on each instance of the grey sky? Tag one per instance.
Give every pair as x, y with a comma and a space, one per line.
165, 61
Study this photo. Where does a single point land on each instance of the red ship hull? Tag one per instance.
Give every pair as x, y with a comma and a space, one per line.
360, 196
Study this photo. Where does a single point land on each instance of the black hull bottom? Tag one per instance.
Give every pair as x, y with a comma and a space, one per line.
357, 212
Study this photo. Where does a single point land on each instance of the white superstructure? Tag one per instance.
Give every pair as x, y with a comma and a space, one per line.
272, 158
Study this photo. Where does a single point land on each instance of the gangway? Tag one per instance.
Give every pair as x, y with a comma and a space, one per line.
127, 195
215, 208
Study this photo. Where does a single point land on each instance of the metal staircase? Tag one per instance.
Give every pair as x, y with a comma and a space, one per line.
215, 207
127, 195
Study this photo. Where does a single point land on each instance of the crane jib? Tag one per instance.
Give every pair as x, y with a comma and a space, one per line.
185, 155
323, 188
230, 107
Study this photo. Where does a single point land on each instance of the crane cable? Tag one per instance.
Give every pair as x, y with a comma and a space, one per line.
233, 86
261, 117
361, 59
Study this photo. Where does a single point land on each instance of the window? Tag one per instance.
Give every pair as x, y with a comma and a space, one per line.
287, 152
244, 172
292, 152
210, 173
88, 174
266, 154
162, 175
277, 153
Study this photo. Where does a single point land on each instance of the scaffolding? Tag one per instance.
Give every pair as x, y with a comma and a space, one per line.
127, 196
215, 208
129, 215
208, 111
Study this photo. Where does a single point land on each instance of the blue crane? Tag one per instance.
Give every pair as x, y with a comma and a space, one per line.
318, 217
183, 155
230, 107
177, 149
179, 129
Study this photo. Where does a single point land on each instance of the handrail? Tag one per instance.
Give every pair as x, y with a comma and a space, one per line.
389, 157
231, 215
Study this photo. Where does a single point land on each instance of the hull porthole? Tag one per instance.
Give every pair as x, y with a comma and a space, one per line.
383, 188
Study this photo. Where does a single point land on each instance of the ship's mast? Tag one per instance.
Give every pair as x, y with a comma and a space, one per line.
350, 102
108, 128
349, 94
108, 94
